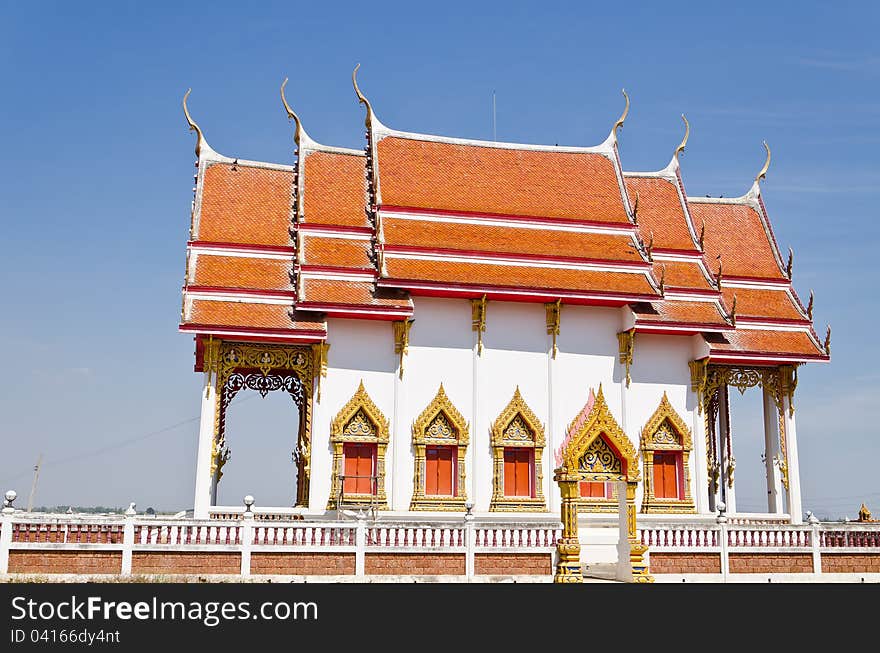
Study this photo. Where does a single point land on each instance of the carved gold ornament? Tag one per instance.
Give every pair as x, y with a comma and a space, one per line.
478, 320
234, 366
553, 312
440, 423
665, 430
401, 340
625, 345
517, 426
360, 420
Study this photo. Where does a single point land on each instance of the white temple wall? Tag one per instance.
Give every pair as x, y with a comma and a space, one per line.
660, 364
515, 353
440, 351
360, 350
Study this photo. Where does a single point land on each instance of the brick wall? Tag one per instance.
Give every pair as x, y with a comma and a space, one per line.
174, 562
65, 562
414, 564
685, 563
513, 564
771, 563
842, 563
303, 564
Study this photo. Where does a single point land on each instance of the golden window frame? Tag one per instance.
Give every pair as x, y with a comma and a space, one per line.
666, 414
421, 438
339, 436
517, 407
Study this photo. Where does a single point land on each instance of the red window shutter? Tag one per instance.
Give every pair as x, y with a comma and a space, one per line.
440, 467
666, 475
518, 472
359, 465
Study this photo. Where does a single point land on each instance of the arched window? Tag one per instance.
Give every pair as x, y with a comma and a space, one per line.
666, 446
359, 436
602, 467
440, 439
517, 447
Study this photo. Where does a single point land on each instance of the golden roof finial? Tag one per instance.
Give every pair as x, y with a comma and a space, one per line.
363, 100
298, 132
687, 133
827, 344
763, 173
192, 123
790, 265
733, 310
702, 233
810, 305
622, 118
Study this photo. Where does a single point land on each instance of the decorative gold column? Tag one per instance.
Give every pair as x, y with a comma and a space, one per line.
568, 548
478, 320
401, 339
636, 549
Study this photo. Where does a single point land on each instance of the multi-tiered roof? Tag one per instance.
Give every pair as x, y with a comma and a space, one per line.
276, 249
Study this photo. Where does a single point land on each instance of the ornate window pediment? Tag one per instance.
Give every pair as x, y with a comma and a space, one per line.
666, 444
597, 450
439, 425
518, 428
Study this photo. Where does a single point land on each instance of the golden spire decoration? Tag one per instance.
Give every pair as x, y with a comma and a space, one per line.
687, 133
827, 344
361, 98
623, 116
763, 173
291, 115
790, 265
636, 209
193, 127
810, 305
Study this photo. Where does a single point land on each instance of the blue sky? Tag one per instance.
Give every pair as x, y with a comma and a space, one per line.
96, 172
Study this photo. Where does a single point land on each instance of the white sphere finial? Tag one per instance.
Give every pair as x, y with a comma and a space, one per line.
248, 502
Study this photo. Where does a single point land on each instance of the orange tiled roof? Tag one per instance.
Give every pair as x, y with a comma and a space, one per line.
336, 252
508, 240
660, 212
682, 274
680, 312
510, 276
250, 315
735, 231
249, 205
476, 179
243, 272
755, 341
335, 189
350, 293
762, 303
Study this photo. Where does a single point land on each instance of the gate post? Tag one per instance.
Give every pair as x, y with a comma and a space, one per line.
636, 548
568, 566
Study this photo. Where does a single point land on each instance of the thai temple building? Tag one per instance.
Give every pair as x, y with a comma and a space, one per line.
509, 331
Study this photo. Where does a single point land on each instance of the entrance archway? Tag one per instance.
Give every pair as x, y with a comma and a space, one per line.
596, 449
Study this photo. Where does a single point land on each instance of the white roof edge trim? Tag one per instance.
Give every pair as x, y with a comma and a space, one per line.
605, 148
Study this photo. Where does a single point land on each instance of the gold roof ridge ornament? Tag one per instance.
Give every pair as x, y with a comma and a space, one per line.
362, 98
763, 173
193, 126
687, 133
623, 116
299, 132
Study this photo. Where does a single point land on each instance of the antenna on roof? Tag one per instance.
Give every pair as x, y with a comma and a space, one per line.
494, 129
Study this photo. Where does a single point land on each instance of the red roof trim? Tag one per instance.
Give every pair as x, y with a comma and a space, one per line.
690, 253
696, 292
266, 249
513, 218
282, 334
782, 321
762, 358
762, 280
451, 289
356, 311
697, 326
473, 253
222, 290
306, 228
366, 274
